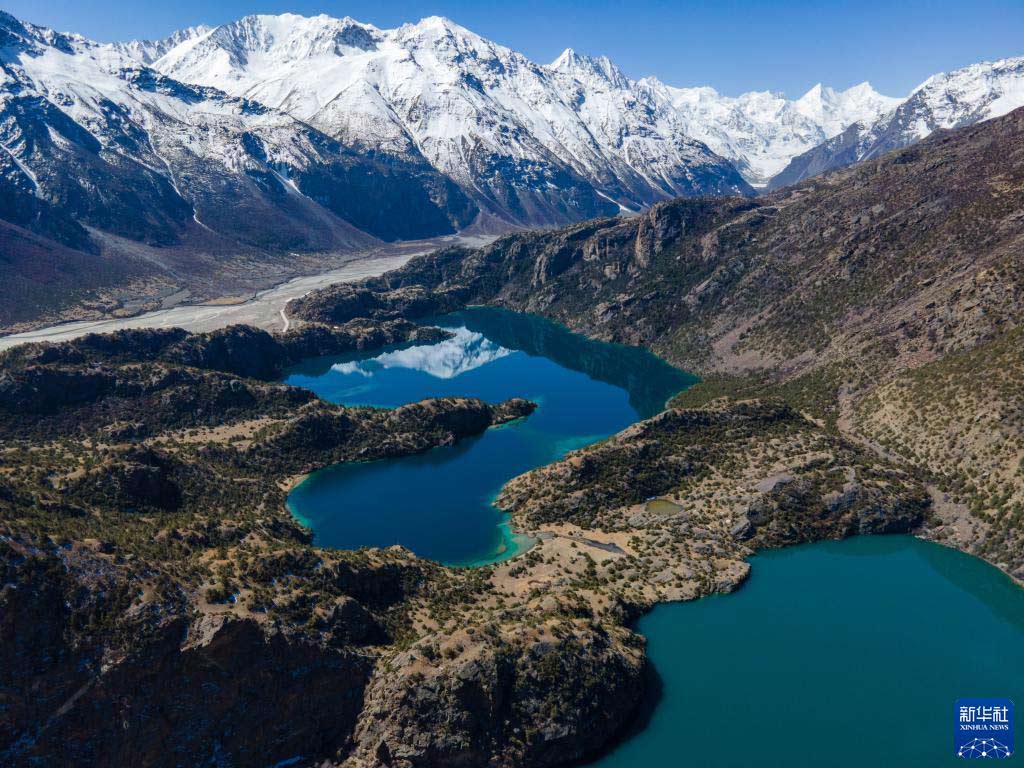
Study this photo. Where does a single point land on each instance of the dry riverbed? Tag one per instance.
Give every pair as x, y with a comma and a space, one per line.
266, 309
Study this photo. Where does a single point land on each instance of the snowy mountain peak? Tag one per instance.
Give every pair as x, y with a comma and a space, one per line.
599, 68
289, 37
112, 144
816, 101
442, 24
428, 87
441, 32
979, 91
835, 110
760, 131
498, 124
565, 61
507, 130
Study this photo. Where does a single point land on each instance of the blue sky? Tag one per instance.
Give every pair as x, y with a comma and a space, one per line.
732, 45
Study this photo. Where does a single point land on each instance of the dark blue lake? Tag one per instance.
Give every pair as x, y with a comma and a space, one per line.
438, 504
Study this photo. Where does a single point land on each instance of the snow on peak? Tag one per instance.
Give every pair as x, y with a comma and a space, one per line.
437, 88
440, 23
835, 110
976, 92
466, 104
288, 36
599, 68
760, 131
566, 60
148, 51
943, 101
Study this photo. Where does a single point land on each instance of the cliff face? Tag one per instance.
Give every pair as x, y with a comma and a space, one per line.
512, 700
184, 691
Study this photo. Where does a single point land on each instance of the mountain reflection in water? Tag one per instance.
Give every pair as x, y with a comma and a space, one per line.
645, 378
463, 352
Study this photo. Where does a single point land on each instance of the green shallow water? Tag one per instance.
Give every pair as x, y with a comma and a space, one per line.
841, 654
439, 504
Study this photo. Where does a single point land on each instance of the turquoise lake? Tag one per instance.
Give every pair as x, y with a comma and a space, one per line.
438, 504
835, 654
840, 654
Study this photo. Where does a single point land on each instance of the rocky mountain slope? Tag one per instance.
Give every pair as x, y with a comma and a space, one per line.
942, 102
817, 295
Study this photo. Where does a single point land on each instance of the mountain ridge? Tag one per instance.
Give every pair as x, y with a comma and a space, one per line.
647, 93
468, 105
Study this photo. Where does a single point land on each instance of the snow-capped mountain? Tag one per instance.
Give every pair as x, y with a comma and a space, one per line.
122, 148
530, 143
644, 146
761, 131
471, 106
944, 101
292, 133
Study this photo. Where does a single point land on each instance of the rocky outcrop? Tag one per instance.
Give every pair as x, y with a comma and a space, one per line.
238, 349
170, 378
504, 701
61, 401
346, 302
323, 434
832, 491
131, 479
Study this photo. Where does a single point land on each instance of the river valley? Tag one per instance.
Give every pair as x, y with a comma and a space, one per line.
265, 309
